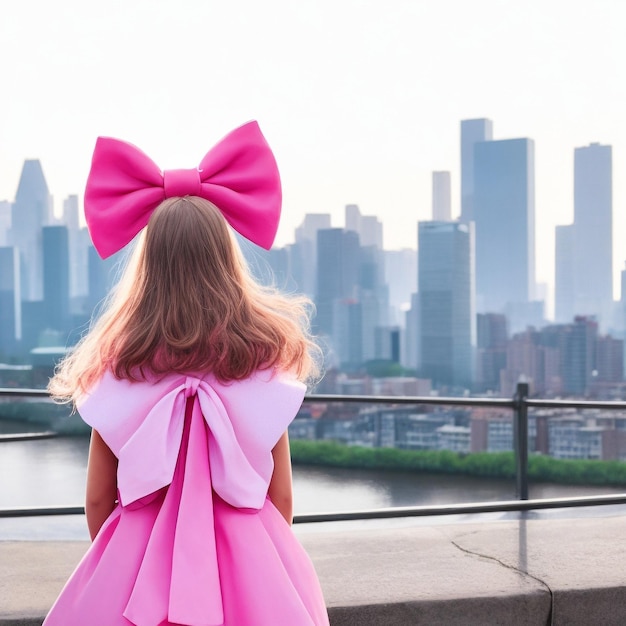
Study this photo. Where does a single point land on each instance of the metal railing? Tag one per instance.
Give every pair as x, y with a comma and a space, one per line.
519, 405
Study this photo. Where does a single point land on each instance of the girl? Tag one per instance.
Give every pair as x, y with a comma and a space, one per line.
189, 381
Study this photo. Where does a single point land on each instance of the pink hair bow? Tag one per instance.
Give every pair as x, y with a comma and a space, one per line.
239, 175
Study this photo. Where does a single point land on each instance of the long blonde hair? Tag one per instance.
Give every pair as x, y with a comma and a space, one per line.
187, 303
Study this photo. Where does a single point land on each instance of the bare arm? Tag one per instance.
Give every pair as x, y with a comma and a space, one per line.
281, 489
101, 484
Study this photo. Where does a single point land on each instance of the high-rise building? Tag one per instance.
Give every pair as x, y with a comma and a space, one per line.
411, 346
56, 277
303, 253
32, 210
401, 278
5, 222
529, 359
338, 261
78, 244
442, 203
368, 227
373, 294
593, 224
311, 224
371, 231
579, 355
352, 297
103, 275
609, 360
347, 337
564, 274
70, 213
10, 301
446, 298
504, 214
279, 260
472, 132
492, 336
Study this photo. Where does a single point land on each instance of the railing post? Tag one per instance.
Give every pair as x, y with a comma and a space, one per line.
520, 440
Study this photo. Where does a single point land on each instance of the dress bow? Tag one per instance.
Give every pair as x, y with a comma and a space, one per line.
232, 428
239, 175
148, 459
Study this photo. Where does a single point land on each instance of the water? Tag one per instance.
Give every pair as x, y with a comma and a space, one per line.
51, 472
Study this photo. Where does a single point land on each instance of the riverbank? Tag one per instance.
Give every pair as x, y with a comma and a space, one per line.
481, 464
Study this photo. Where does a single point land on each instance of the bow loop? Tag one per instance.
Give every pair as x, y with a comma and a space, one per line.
235, 478
239, 176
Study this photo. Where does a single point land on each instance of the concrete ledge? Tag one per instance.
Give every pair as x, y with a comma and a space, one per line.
535, 572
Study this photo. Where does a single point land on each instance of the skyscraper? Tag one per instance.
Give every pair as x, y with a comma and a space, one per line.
303, 253
401, 279
56, 277
373, 295
5, 222
442, 205
504, 214
446, 300
103, 275
564, 274
78, 244
10, 300
472, 132
412, 349
492, 336
368, 227
593, 224
31, 211
337, 273
579, 355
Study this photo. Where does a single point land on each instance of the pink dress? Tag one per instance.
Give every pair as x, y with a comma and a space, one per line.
194, 539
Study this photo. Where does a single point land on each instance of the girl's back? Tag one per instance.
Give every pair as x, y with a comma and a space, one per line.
189, 381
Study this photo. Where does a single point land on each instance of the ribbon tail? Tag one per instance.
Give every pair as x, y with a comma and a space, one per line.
148, 604
195, 596
178, 580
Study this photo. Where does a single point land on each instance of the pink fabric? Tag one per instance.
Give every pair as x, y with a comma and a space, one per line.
143, 425
239, 175
182, 554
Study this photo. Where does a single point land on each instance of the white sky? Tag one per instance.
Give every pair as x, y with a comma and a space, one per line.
360, 99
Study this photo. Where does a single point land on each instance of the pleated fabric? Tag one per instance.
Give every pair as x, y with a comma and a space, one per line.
184, 556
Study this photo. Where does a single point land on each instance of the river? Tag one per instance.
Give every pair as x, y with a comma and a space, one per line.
51, 472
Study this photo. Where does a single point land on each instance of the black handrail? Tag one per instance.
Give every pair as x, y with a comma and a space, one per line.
23, 393
499, 506
519, 405
520, 440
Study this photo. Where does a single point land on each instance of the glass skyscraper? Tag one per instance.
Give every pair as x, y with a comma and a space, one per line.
504, 215
31, 211
593, 224
446, 300
472, 132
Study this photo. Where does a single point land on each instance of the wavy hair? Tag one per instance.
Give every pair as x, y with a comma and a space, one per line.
186, 303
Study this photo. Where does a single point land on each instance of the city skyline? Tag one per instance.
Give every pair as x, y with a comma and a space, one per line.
361, 292
360, 105
440, 203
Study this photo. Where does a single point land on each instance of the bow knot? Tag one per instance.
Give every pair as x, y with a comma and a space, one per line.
239, 176
179, 183
191, 386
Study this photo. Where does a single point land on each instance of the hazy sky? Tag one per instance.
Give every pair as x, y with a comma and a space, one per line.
361, 100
